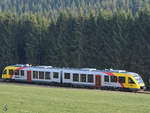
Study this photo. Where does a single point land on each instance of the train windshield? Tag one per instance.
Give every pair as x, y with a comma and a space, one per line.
139, 79
4, 72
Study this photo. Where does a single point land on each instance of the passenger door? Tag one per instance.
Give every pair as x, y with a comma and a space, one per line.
98, 81
29, 76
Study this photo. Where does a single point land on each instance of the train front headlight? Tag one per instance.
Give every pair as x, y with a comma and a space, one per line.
142, 87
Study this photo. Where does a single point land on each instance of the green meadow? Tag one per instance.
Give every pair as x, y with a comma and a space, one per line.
39, 99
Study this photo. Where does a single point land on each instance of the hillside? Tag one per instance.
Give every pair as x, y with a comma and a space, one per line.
77, 33
119, 42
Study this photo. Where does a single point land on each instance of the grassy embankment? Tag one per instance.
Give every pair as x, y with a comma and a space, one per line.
37, 99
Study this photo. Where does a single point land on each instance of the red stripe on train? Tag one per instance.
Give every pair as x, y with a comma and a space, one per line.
110, 74
19, 68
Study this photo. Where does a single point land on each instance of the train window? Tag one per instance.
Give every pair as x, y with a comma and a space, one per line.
10, 72
35, 74
22, 72
75, 77
121, 79
55, 74
4, 72
130, 81
83, 78
67, 76
90, 78
41, 75
113, 79
47, 75
16, 72
106, 78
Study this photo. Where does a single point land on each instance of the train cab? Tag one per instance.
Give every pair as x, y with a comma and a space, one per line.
136, 79
8, 72
130, 81
127, 80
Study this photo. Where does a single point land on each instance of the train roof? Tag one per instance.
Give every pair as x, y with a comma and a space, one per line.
91, 70
42, 67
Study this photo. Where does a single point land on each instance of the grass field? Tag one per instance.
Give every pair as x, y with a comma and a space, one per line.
39, 99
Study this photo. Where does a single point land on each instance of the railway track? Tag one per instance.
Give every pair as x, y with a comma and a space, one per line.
143, 92
56, 86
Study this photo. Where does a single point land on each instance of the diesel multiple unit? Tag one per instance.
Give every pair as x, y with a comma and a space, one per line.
83, 77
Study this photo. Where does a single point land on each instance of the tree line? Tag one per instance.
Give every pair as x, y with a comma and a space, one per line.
118, 41
51, 8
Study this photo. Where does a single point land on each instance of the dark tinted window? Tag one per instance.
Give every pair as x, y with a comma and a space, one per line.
122, 79
47, 75
22, 72
16, 72
67, 75
113, 79
83, 78
35, 74
75, 77
106, 78
55, 74
90, 78
130, 81
10, 72
41, 75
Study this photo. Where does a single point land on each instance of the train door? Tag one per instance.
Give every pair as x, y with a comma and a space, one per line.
29, 76
98, 81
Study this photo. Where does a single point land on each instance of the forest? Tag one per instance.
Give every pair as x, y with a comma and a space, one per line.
99, 39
